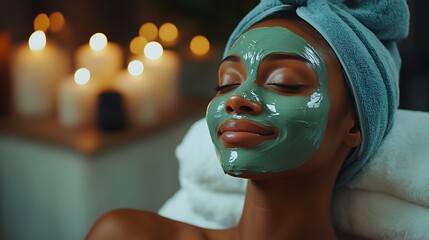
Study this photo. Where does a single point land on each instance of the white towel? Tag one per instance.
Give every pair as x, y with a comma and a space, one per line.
208, 197
401, 165
199, 165
373, 215
389, 199
179, 208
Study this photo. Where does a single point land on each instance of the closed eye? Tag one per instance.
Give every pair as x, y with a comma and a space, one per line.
226, 88
287, 88
287, 74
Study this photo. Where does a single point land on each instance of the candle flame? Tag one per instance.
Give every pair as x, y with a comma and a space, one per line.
200, 45
153, 50
98, 41
82, 76
37, 41
135, 68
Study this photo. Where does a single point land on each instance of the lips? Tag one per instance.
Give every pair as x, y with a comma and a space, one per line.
235, 133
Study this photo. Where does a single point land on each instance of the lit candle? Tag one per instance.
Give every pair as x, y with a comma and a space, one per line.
36, 70
102, 58
163, 69
137, 89
77, 98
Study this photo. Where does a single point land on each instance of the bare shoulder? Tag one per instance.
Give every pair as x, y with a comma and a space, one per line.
136, 224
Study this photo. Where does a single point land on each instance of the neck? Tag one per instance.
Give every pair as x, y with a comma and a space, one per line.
284, 209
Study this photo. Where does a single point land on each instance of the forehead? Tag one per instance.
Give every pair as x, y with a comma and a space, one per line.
315, 39
259, 42
302, 29
255, 44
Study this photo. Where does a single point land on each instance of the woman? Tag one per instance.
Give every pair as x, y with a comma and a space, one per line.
285, 119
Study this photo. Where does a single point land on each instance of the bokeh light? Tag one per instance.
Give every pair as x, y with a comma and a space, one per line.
199, 45
82, 76
168, 34
137, 45
57, 21
41, 22
135, 68
153, 50
37, 41
98, 41
149, 31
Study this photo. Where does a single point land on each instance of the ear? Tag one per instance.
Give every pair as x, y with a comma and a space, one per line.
353, 137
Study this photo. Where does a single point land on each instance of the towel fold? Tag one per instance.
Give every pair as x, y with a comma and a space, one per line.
401, 165
216, 210
388, 200
182, 207
199, 165
375, 215
208, 197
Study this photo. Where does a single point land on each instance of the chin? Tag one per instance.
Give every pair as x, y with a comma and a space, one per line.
239, 175
253, 175
240, 172
258, 175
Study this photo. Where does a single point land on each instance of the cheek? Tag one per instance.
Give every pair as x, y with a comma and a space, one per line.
216, 107
215, 113
335, 131
340, 106
302, 109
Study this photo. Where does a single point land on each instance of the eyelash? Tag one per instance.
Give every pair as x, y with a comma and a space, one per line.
296, 87
224, 87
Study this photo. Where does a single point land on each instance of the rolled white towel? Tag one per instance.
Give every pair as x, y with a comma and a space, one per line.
375, 215
400, 167
207, 197
199, 165
222, 208
179, 208
206, 209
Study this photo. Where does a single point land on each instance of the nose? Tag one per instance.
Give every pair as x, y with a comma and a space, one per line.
239, 105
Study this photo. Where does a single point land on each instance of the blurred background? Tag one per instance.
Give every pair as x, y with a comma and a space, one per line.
60, 170
121, 21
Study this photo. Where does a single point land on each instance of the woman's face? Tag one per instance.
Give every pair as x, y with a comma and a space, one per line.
273, 104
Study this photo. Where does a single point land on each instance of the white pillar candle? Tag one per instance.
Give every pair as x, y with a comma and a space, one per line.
137, 90
102, 58
36, 71
163, 69
77, 99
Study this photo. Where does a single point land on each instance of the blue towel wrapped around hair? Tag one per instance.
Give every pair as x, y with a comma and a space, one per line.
363, 34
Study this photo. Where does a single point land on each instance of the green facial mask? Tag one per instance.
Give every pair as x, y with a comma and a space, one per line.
300, 120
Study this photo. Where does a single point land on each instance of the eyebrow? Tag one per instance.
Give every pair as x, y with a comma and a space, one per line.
232, 58
281, 56
271, 57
